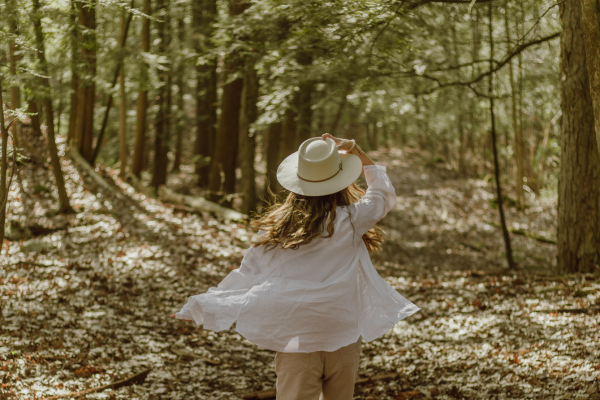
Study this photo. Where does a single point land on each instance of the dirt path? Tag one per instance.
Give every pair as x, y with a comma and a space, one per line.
92, 306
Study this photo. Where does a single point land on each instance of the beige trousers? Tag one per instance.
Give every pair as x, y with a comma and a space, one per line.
306, 376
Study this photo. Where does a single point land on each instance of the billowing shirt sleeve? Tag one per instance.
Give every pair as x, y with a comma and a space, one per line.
376, 203
220, 306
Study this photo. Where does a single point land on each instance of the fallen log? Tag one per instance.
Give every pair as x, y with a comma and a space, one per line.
137, 378
272, 393
83, 164
199, 204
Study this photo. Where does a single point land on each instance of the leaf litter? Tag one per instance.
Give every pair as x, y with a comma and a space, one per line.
90, 303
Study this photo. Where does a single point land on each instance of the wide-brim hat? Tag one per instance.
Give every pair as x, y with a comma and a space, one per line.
318, 169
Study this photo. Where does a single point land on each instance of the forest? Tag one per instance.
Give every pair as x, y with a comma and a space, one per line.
140, 138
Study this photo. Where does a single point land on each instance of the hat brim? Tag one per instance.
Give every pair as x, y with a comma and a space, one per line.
288, 177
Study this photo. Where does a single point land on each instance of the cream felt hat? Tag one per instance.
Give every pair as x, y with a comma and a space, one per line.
318, 169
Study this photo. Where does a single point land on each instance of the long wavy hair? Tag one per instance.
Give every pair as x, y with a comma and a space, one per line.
300, 219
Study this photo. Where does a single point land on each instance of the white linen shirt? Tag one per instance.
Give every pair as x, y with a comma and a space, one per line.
319, 297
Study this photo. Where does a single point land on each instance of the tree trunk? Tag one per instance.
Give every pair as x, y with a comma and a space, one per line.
142, 101
109, 97
287, 137
338, 114
248, 115
123, 148
578, 234
591, 26
75, 100
163, 115
273, 144
180, 124
518, 141
64, 205
304, 129
3, 170
15, 93
204, 14
509, 257
87, 18
228, 131
35, 116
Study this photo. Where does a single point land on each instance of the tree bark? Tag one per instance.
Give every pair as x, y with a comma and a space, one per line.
142, 101
204, 14
509, 257
85, 134
518, 144
273, 144
35, 116
287, 137
109, 97
76, 102
163, 115
3, 169
304, 128
15, 92
123, 148
338, 114
228, 131
578, 233
248, 115
64, 205
180, 124
591, 25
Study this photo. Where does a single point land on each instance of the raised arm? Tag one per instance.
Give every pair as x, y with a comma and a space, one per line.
381, 195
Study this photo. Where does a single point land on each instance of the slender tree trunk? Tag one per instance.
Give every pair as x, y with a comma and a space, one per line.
304, 103
15, 93
518, 140
591, 25
338, 114
288, 135
35, 116
248, 115
109, 97
64, 205
87, 18
273, 145
123, 148
161, 124
509, 258
180, 92
204, 14
76, 102
228, 131
142, 101
3, 170
578, 233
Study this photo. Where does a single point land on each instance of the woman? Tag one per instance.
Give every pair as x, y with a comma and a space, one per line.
307, 288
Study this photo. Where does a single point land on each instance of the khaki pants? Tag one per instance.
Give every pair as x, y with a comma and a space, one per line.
304, 376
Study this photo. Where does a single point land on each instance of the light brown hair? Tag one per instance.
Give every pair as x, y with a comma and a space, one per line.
300, 219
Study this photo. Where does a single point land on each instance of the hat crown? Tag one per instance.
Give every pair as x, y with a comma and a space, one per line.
318, 160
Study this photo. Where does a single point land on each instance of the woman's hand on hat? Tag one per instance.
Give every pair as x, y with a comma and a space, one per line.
342, 144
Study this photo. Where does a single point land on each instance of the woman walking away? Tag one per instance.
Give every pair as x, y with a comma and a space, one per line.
307, 288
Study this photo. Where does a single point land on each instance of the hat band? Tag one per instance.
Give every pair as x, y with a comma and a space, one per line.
322, 180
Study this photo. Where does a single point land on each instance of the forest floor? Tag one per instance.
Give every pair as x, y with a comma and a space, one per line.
87, 301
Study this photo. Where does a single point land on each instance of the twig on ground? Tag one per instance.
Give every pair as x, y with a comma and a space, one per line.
525, 233
137, 378
185, 353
